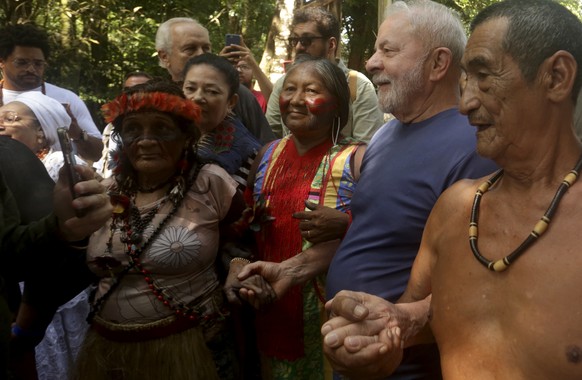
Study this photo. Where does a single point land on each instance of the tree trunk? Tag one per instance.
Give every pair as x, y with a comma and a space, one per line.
277, 51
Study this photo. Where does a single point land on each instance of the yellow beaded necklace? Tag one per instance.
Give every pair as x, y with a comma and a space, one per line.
538, 230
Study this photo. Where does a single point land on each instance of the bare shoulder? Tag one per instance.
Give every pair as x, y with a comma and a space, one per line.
457, 197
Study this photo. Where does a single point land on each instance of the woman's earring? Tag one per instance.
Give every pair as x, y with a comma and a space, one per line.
335, 130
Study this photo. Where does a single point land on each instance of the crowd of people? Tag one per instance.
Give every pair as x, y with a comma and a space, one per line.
218, 231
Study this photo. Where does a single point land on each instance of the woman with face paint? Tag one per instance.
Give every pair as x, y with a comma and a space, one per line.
296, 185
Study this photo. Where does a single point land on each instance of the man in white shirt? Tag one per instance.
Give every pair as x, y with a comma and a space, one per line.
24, 49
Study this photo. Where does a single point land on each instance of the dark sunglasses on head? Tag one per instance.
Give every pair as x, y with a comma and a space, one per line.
305, 41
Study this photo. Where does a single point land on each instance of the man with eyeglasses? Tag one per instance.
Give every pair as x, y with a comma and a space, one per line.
316, 31
24, 49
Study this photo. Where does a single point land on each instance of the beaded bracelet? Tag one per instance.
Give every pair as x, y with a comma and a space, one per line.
240, 259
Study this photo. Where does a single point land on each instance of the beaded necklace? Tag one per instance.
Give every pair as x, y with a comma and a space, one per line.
538, 230
151, 189
132, 235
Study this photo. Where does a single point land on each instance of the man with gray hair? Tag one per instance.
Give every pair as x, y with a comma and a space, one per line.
497, 277
181, 38
410, 161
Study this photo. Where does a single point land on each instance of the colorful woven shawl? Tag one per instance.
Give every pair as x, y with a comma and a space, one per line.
289, 180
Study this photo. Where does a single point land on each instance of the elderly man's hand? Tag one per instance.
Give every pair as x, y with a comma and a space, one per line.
363, 338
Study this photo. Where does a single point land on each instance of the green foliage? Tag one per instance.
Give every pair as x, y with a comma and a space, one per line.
468, 9
95, 43
360, 23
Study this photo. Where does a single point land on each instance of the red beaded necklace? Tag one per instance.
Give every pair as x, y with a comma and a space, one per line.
132, 227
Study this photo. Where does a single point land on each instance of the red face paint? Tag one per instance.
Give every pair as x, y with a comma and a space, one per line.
283, 102
319, 106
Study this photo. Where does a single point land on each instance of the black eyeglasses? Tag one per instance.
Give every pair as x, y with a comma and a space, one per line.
305, 41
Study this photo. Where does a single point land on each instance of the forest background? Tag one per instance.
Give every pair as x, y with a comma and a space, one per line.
95, 43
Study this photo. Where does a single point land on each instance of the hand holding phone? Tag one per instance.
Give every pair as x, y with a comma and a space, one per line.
69, 162
233, 39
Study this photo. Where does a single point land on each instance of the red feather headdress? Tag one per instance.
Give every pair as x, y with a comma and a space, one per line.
155, 101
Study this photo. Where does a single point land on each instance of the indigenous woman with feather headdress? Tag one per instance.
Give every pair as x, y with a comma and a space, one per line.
158, 311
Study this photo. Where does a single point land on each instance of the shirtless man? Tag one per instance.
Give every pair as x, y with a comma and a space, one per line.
519, 318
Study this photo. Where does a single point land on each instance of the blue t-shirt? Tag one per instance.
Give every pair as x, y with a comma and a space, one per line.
405, 169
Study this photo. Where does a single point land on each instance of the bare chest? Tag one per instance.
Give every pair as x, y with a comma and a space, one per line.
523, 323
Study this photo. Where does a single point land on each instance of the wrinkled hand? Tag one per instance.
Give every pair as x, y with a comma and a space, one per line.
262, 291
363, 337
93, 200
276, 274
322, 223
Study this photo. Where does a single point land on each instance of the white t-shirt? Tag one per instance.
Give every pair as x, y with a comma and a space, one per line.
78, 107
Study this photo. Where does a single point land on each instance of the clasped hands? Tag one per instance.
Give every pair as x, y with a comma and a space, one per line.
259, 283
365, 335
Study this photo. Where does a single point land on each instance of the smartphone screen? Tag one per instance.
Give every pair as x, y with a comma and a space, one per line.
232, 39
69, 162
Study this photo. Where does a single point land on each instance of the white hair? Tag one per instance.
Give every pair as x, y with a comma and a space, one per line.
164, 35
434, 24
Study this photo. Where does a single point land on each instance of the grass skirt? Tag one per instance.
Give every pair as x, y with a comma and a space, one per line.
182, 356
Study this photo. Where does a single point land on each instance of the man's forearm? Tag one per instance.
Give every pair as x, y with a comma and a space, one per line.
418, 313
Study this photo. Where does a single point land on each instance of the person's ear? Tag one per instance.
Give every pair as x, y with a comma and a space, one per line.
232, 102
439, 62
164, 58
332, 45
558, 73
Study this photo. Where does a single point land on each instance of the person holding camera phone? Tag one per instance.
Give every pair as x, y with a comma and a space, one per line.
181, 38
33, 119
40, 239
237, 52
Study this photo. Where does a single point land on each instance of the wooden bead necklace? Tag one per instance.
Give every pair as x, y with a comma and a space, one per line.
538, 230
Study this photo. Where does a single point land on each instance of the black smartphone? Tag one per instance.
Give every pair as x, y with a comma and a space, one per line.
69, 162
231, 39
